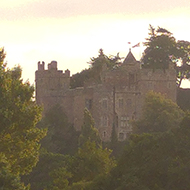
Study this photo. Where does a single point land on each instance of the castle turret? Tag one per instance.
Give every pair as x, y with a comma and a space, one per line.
41, 66
52, 65
50, 84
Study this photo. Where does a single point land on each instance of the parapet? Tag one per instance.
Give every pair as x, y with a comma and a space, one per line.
41, 66
67, 73
52, 65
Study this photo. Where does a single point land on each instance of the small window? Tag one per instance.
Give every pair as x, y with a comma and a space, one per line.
131, 79
104, 121
120, 103
129, 102
169, 85
104, 104
124, 122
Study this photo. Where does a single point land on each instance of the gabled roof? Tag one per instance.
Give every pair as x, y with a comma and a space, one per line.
129, 59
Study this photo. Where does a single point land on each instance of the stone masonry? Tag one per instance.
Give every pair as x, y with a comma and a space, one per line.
116, 101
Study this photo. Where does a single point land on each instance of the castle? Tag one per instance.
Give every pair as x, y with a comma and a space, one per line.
115, 101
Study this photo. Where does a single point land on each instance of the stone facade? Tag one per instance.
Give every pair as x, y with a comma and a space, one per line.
116, 101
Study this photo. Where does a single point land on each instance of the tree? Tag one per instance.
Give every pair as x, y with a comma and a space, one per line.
162, 50
114, 139
183, 98
61, 137
159, 114
160, 47
93, 74
183, 66
50, 172
153, 161
88, 131
91, 161
8, 180
19, 114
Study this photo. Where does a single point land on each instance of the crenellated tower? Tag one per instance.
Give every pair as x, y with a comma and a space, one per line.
50, 84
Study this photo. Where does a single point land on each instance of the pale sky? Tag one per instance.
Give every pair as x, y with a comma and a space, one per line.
72, 31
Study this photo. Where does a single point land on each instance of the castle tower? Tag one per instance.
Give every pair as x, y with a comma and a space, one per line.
50, 84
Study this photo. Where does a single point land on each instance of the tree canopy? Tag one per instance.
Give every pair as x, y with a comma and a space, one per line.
152, 161
61, 136
159, 114
88, 131
19, 114
93, 74
183, 61
162, 49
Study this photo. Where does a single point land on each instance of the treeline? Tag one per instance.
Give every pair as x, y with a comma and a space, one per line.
19, 136
154, 157
69, 159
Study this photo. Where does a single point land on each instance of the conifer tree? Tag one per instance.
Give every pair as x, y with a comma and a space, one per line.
88, 131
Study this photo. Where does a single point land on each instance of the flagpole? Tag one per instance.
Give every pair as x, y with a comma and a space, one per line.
129, 43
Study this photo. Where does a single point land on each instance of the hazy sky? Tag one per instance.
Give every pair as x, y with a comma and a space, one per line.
72, 31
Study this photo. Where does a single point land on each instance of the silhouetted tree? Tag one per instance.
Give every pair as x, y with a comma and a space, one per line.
162, 50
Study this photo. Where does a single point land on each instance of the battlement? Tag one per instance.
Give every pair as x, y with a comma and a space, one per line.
52, 65
52, 70
41, 66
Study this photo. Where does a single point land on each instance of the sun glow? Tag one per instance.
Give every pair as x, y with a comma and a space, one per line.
73, 40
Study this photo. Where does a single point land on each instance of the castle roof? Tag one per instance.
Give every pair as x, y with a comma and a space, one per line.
129, 59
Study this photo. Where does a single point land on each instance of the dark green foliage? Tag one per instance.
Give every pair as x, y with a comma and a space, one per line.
78, 80
61, 137
116, 146
154, 161
19, 136
183, 98
88, 131
161, 45
91, 161
8, 180
114, 139
50, 172
162, 50
183, 55
159, 115
93, 74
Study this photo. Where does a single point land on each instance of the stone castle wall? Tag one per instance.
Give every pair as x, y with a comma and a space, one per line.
120, 94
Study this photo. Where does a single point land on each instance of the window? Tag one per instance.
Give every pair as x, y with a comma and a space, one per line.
104, 121
120, 103
131, 79
129, 102
124, 122
169, 85
104, 104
